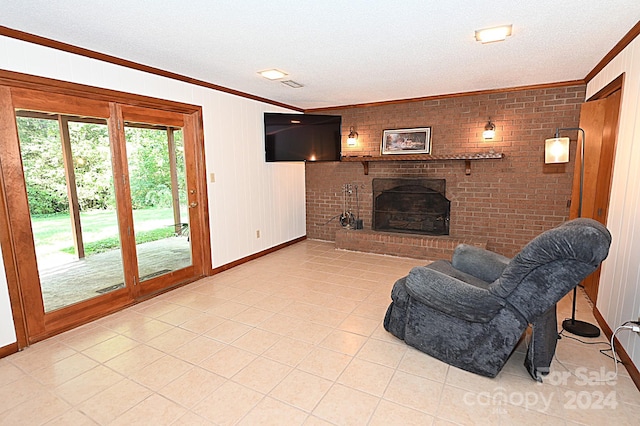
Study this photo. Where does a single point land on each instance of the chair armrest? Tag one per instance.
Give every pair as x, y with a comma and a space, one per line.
452, 296
480, 263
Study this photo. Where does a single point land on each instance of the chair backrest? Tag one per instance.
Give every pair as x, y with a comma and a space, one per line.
552, 264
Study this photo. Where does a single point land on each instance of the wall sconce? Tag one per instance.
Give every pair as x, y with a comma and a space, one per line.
352, 139
489, 131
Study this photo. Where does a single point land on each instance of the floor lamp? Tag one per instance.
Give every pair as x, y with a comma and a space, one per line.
557, 151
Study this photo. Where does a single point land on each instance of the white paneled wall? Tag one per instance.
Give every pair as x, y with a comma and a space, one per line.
7, 331
619, 291
248, 194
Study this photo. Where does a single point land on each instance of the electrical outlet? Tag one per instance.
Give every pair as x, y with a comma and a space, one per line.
258, 233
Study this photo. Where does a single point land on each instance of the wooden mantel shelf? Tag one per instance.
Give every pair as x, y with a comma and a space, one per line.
365, 160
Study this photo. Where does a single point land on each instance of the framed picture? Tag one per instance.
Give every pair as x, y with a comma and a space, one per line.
407, 141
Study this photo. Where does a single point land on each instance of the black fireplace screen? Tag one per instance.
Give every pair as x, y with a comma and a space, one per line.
416, 206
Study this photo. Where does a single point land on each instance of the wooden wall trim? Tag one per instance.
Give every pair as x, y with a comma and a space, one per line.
195, 122
44, 84
255, 256
620, 351
47, 42
8, 350
452, 95
619, 47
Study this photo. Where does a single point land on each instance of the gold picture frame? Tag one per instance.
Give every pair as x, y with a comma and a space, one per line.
406, 141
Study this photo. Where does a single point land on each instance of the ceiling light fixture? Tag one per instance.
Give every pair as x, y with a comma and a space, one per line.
293, 84
272, 74
490, 35
489, 130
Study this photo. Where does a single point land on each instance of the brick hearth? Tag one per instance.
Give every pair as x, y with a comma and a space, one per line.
406, 245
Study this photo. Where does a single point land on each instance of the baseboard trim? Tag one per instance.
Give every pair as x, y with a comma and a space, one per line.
254, 256
8, 350
622, 354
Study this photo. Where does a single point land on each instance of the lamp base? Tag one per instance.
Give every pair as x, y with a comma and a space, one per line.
580, 328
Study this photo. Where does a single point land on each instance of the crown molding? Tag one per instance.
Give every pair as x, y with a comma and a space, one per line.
453, 95
619, 47
54, 44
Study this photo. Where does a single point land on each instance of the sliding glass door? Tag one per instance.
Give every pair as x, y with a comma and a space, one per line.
103, 204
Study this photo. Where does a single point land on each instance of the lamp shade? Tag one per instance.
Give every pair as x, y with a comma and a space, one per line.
352, 139
556, 150
489, 131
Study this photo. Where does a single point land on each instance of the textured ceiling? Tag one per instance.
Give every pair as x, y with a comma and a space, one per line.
343, 52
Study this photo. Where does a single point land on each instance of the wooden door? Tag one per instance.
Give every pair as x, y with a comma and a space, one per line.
599, 120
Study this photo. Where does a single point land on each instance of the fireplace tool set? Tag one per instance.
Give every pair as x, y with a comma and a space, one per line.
348, 219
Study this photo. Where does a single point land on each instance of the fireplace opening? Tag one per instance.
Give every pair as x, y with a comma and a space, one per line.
416, 206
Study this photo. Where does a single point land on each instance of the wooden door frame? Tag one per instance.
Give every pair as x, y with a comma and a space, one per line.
615, 84
605, 171
605, 176
8, 130
43, 91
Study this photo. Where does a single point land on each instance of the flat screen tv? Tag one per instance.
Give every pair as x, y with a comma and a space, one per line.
302, 137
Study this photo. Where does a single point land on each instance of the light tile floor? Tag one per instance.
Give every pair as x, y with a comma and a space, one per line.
292, 338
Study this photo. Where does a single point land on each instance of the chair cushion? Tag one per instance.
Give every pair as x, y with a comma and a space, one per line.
447, 268
480, 263
452, 296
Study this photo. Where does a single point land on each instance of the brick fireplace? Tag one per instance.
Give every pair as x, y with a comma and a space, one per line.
502, 203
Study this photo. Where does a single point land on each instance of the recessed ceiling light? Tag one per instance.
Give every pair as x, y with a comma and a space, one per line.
292, 83
272, 74
489, 35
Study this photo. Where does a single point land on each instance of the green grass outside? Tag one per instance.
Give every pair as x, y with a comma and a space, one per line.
107, 244
52, 233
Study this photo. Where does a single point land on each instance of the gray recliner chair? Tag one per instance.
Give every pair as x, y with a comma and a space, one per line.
472, 311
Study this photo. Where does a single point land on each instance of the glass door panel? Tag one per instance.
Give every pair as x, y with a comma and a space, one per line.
157, 180
69, 179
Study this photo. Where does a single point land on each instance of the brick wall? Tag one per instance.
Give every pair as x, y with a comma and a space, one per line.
506, 202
